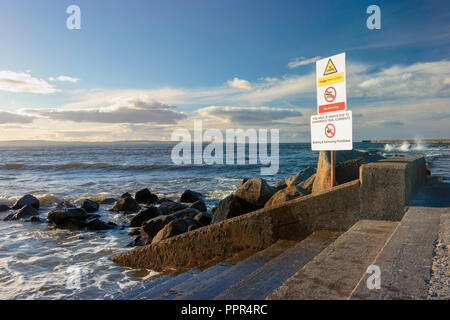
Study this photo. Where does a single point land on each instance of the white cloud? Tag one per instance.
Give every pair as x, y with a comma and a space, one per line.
244, 115
239, 84
64, 79
302, 61
123, 110
424, 80
23, 82
8, 117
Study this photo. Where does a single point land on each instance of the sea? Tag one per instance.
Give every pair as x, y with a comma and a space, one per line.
39, 263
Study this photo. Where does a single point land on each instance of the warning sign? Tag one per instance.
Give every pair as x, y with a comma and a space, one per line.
330, 68
330, 94
332, 131
331, 85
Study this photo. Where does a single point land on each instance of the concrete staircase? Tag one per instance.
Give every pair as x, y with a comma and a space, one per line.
412, 256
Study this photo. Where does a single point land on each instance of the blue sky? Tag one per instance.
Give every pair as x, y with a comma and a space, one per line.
140, 69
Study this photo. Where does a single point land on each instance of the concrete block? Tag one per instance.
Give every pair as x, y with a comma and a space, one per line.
388, 185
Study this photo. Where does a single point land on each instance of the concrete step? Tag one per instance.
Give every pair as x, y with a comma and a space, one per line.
407, 259
271, 275
212, 287
131, 293
187, 286
334, 273
159, 289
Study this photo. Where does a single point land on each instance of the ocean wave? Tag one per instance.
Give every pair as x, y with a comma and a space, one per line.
101, 166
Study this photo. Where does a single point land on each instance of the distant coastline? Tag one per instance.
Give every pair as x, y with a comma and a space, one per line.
408, 140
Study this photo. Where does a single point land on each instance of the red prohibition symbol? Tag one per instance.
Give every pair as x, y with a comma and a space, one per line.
330, 94
330, 130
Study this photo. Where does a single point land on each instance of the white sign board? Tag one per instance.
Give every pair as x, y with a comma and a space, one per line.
332, 131
330, 83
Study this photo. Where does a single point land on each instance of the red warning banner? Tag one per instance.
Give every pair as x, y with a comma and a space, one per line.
338, 106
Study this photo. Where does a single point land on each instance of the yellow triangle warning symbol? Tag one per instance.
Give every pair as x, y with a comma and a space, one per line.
330, 68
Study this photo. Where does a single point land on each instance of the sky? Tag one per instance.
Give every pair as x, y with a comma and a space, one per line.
138, 70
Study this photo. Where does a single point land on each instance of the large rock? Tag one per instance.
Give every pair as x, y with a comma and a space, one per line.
186, 213
77, 213
27, 199
61, 220
145, 196
144, 215
168, 207
199, 205
322, 180
97, 224
175, 228
230, 207
64, 205
286, 194
90, 206
153, 226
190, 196
204, 218
126, 204
300, 176
256, 192
25, 212
4, 207
306, 186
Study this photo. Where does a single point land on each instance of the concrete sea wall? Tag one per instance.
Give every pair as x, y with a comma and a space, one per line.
382, 191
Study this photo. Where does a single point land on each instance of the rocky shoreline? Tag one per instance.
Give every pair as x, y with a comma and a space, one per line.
153, 218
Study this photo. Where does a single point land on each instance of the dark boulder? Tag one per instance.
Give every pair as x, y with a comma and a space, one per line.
27, 199
175, 228
98, 224
64, 205
153, 226
145, 196
169, 207
126, 205
65, 220
4, 207
125, 195
186, 213
307, 185
144, 215
190, 196
76, 213
300, 176
73, 224
57, 217
286, 194
137, 242
230, 207
255, 191
25, 212
90, 206
199, 205
204, 218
